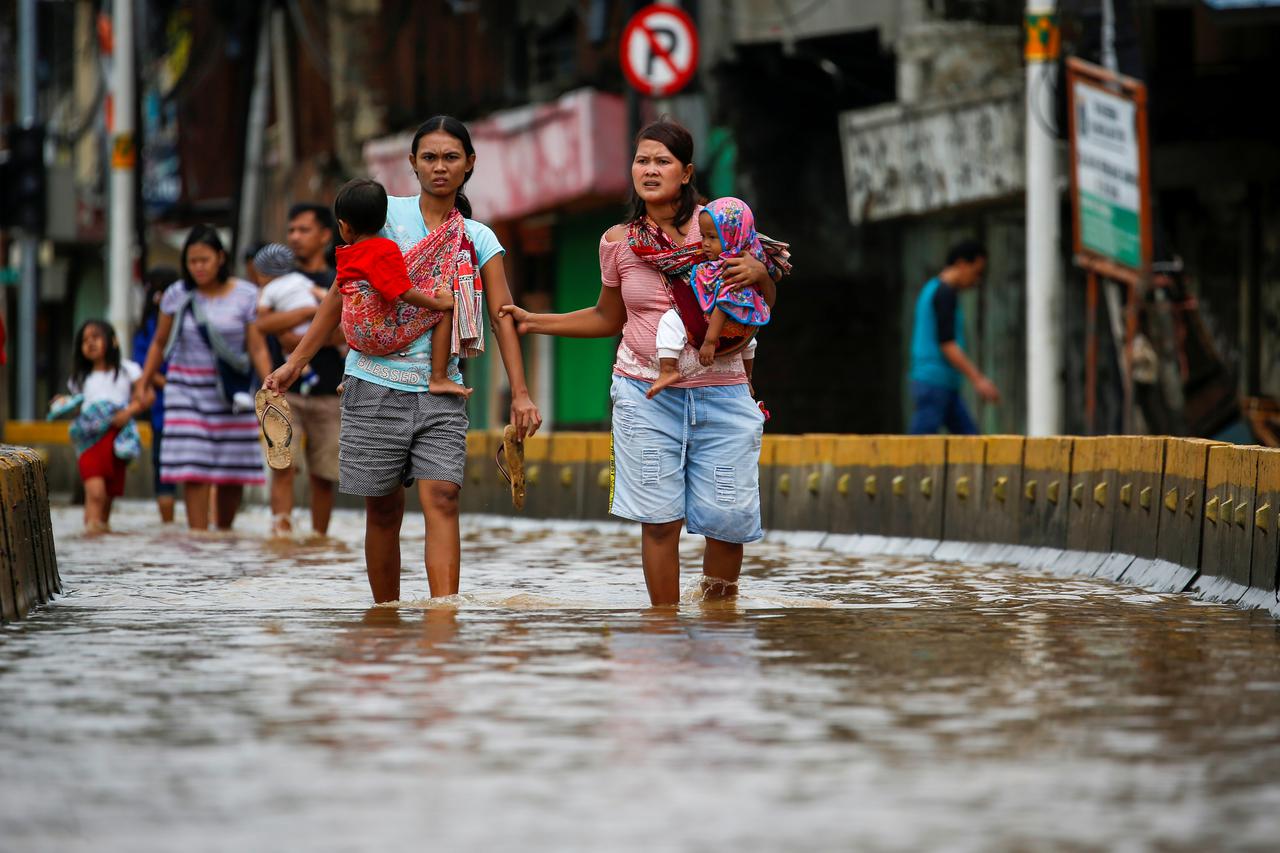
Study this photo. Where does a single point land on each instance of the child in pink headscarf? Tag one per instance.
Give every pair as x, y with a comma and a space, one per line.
728, 231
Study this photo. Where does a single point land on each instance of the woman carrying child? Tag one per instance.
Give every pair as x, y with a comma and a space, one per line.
394, 429
104, 434
692, 452
206, 333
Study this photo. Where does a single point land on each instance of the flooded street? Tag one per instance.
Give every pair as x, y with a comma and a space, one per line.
229, 693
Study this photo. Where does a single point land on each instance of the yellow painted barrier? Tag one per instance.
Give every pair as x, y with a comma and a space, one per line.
1135, 508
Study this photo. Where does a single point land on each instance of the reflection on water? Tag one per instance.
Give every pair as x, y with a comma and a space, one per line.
222, 692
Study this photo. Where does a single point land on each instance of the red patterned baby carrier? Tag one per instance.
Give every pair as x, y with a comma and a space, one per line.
652, 245
443, 260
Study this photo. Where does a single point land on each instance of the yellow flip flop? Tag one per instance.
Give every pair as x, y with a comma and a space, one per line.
277, 429
512, 453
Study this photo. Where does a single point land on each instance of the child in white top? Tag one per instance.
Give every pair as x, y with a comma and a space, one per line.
104, 381
286, 288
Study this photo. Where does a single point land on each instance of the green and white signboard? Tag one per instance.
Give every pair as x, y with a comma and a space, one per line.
1108, 174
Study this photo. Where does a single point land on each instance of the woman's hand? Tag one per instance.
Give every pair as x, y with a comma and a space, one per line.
283, 378
745, 271
521, 317
524, 415
120, 418
144, 396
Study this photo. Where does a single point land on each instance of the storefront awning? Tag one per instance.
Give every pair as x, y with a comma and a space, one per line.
529, 159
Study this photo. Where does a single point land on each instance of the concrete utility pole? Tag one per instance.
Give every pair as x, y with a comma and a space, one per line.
124, 155
249, 222
1044, 281
29, 244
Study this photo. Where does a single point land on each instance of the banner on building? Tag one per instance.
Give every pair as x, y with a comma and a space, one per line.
1110, 183
901, 160
530, 159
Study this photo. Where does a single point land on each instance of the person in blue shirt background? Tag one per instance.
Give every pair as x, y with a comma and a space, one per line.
939, 362
156, 280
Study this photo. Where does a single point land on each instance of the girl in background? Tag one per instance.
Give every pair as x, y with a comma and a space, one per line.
104, 434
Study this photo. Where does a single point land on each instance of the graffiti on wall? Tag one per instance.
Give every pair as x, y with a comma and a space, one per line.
901, 160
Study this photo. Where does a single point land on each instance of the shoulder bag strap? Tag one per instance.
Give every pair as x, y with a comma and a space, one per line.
176, 331
238, 360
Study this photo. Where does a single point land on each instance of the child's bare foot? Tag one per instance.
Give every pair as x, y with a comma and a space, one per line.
707, 353
666, 378
442, 385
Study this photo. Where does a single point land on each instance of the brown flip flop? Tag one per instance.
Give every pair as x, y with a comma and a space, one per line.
512, 453
277, 429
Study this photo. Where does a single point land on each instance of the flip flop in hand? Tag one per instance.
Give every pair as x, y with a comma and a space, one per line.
510, 459
277, 429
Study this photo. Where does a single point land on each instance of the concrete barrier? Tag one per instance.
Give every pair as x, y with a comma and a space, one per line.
1042, 505
1168, 514
1002, 496
1264, 567
1139, 473
28, 565
963, 499
1227, 549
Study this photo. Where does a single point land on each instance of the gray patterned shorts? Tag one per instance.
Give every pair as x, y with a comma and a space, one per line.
391, 438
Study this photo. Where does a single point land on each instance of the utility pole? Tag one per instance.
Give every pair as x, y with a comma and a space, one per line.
29, 243
124, 156
1044, 279
247, 224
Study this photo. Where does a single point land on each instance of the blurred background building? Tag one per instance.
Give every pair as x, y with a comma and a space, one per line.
870, 135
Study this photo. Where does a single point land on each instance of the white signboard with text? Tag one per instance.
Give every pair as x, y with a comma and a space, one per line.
1108, 174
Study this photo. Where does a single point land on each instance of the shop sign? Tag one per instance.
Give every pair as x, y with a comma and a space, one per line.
1109, 167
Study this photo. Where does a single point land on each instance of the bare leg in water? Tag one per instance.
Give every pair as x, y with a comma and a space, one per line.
444, 549
660, 555
382, 519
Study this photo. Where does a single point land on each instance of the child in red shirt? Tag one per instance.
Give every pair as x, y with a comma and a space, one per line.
382, 311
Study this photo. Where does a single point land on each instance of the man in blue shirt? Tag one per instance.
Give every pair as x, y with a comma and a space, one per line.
938, 359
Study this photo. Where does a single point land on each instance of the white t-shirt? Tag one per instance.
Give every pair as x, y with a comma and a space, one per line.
289, 292
110, 385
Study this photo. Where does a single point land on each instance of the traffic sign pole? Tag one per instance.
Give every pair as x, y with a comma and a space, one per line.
29, 245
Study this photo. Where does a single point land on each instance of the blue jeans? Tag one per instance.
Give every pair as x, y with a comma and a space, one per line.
937, 406
691, 453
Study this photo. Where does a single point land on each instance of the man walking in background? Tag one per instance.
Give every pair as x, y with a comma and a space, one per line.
316, 409
938, 358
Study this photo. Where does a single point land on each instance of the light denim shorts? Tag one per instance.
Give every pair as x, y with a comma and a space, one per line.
689, 453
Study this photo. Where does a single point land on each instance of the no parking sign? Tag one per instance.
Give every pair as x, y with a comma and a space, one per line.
659, 50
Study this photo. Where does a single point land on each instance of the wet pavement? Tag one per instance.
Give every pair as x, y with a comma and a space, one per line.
230, 693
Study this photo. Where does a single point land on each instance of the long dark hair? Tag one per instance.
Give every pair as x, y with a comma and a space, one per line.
157, 280
679, 142
458, 131
208, 235
81, 367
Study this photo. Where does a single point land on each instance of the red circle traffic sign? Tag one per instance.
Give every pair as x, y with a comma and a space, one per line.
659, 50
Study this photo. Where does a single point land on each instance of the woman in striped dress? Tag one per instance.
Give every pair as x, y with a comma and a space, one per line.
206, 441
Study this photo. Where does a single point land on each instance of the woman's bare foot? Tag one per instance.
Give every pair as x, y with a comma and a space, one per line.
666, 378
718, 588
442, 385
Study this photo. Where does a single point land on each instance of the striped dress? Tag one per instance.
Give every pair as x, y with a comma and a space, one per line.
204, 441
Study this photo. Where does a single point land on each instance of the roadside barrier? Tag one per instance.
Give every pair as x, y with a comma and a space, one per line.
28, 567
1167, 514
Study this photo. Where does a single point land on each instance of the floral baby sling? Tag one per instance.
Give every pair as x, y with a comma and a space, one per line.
443, 260
676, 263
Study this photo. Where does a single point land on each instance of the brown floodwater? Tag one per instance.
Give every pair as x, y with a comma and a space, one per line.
230, 693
